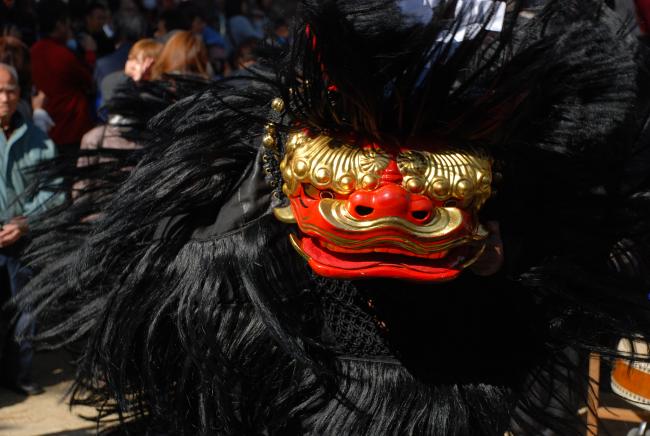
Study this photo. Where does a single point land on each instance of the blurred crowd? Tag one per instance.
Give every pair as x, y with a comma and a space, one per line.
71, 56
61, 62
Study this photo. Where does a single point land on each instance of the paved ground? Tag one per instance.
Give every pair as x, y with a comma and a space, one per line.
46, 414
49, 415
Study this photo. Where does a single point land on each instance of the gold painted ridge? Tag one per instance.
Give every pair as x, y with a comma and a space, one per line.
446, 221
298, 248
284, 214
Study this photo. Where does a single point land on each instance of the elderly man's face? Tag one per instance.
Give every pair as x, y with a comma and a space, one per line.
9, 95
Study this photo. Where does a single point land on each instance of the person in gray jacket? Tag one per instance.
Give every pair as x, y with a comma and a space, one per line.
22, 145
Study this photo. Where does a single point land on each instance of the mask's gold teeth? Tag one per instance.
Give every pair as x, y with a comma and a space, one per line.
284, 214
296, 245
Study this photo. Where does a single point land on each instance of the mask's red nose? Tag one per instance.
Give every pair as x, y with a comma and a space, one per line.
390, 200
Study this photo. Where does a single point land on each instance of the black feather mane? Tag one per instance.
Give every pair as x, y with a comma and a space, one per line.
188, 328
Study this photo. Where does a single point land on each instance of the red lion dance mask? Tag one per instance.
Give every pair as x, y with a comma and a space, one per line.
365, 211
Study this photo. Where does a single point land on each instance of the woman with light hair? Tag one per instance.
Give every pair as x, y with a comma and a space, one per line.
184, 53
142, 57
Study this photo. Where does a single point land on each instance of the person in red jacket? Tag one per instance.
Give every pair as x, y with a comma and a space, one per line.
65, 79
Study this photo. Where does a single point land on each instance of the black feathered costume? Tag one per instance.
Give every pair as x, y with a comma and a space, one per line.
195, 313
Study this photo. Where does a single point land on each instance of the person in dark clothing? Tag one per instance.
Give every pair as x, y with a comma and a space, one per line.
240, 27
167, 22
18, 17
95, 19
128, 29
192, 18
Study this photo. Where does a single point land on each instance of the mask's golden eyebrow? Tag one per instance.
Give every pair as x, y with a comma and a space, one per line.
343, 168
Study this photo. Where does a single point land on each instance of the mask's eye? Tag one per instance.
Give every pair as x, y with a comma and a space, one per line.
315, 193
311, 191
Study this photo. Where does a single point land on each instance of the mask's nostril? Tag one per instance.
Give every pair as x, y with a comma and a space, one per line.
420, 214
363, 210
